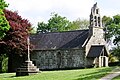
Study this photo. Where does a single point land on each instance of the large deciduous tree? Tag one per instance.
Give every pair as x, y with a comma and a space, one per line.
4, 27
58, 23
16, 37
113, 32
79, 24
42, 27
15, 40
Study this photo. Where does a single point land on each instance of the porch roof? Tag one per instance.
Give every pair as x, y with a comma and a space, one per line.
97, 50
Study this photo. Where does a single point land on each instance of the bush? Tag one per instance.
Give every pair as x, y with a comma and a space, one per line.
114, 64
112, 58
5, 64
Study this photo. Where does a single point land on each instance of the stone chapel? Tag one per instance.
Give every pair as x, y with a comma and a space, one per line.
69, 49
72, 49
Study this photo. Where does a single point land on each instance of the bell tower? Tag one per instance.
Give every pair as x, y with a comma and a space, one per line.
95, 28
95, 19
96, 39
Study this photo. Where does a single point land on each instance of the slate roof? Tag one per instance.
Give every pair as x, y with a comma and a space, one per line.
59, 40
97, 50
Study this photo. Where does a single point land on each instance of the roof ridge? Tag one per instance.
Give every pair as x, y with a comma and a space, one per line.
65, 31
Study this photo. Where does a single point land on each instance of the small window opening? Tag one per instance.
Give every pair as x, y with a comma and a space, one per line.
99, 21
96, 11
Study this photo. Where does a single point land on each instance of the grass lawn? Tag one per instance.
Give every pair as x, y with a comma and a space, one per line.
78, 74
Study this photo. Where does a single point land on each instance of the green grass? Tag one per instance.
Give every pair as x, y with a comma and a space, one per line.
79, 74
116, 78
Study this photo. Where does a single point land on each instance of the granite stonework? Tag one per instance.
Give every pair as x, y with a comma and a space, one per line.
27, 68
58, 59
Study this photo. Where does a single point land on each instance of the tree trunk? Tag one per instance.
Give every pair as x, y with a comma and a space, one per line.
10, 63
1, 66
14, 62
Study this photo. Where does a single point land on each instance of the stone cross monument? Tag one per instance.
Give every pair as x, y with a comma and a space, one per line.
27, 68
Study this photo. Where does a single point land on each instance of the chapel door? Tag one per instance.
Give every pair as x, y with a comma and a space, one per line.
103, 61
59, 59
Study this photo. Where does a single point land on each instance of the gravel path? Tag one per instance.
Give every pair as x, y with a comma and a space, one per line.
111, 75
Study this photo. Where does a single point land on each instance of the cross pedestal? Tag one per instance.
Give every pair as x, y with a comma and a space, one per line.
27, 68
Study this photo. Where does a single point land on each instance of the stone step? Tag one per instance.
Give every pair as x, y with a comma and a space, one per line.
27, 68
27, 64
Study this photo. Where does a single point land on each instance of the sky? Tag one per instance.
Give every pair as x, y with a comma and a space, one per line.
40, 10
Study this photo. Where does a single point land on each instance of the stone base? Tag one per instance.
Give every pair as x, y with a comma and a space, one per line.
27, 68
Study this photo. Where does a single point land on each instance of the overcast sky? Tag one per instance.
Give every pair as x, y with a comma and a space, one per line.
40, 10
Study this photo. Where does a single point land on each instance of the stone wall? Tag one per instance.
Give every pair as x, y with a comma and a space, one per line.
58, 59
89, 62
96, 38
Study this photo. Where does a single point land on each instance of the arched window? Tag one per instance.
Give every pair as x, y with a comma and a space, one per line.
95, 21
96, 11
99, 21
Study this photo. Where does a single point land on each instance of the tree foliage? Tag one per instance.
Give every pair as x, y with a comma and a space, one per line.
4, 25
58, 23
55, 23
113, 27
42, 27
3, 4
116, 52
16, 38
79, 24
113, 32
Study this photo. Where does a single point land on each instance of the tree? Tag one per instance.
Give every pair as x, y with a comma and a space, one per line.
113, 28
16, 37
106, 22
15, 40
116, 52
116, 29
4, 27
42, 27
79, 24
113, 32
58, 23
